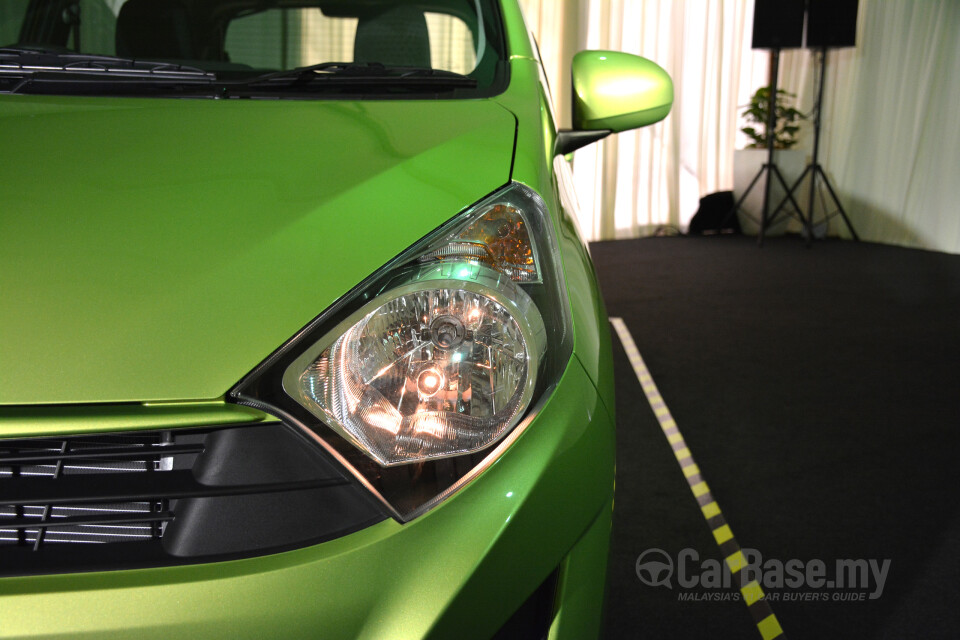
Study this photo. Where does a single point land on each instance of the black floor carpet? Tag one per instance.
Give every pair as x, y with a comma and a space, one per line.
819, 390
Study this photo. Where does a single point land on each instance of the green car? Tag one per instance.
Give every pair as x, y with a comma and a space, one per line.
298, 335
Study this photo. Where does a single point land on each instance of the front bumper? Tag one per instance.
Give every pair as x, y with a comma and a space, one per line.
460, 570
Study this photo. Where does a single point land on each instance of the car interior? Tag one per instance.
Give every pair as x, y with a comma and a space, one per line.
243, 35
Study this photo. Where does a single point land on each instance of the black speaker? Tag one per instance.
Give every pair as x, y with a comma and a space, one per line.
832, 23
778, 24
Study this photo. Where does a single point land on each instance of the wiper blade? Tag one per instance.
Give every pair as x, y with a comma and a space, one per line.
367, 74
50, 65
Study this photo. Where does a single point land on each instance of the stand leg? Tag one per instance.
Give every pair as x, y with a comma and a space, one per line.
814, 168
793, 201
789, 196
836, 201
771, 137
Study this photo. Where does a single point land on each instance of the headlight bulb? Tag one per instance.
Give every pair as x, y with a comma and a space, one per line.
447, 332
429, 382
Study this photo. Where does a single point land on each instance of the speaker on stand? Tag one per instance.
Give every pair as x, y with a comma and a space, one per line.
830, 24
777, 25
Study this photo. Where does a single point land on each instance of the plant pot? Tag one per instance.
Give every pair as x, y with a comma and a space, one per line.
746, 165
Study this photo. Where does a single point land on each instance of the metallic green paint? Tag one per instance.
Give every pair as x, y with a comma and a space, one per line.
618, 91
519, 42
456, 571
158, 250
37, 422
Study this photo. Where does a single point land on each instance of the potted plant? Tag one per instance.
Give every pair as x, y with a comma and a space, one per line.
747, 162
788, 119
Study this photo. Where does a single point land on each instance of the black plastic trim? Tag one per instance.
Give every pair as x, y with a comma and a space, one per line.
569, 140
171, 497
533, 619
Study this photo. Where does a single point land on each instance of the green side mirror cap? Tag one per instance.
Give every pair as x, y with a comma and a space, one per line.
618, 91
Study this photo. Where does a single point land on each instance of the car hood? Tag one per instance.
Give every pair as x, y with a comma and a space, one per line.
158, 250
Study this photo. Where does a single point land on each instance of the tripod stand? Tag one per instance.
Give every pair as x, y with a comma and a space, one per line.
766, 220
816, 170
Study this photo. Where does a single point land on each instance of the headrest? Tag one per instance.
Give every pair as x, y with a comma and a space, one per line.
396, 37
154, 29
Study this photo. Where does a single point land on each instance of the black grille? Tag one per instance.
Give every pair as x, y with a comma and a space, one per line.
27, 465
116, 501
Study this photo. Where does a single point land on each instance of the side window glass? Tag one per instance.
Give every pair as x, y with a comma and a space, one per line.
327, 39
451, 43
98, 24
11, 17
91, 25
265, 40
285, 38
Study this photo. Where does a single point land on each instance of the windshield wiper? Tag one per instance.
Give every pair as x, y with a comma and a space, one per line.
33, 64
23, 65
360, 74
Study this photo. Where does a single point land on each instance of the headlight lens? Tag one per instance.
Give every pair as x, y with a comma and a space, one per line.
428, 371
438, 356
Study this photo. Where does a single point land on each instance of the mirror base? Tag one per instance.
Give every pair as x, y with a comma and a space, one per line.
569, 140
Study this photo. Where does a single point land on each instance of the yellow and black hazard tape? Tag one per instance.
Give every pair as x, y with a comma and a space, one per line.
753, 596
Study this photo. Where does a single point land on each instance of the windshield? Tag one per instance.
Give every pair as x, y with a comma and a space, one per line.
237, 48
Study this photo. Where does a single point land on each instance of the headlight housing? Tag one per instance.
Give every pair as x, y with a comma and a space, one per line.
412, 378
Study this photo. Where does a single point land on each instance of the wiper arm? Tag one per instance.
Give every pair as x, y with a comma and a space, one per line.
341, 74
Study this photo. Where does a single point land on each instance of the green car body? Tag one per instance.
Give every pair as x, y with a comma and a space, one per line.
154, 251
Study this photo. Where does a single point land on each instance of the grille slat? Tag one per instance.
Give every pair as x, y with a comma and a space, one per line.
71, 521
147, 452
57, 470
136, 486
45, 483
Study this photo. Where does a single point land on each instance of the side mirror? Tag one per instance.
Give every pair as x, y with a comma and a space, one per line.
613, 92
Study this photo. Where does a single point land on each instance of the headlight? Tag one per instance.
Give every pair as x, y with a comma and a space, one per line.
439, 367
414, 377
